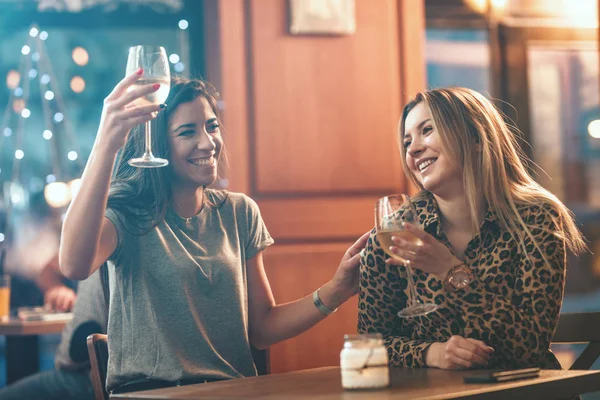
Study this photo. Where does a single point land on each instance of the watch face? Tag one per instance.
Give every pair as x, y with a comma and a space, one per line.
460, 278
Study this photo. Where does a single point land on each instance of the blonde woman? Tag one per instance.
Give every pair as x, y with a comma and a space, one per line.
493, 245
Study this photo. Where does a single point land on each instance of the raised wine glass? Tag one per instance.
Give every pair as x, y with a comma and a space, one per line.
154, 61
390, 213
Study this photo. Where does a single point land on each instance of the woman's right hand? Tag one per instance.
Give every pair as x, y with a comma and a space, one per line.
459, 353
120, 112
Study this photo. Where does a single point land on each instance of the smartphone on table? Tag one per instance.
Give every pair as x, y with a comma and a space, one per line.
502, 376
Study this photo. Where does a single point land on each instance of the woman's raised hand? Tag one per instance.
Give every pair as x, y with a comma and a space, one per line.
121, 113
346, 276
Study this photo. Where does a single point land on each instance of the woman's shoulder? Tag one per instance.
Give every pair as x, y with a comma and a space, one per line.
539, 206
540, 211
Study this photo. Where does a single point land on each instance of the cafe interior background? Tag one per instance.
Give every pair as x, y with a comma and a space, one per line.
311, 94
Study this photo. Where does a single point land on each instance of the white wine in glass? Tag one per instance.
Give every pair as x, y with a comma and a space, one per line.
390, 213
153, 60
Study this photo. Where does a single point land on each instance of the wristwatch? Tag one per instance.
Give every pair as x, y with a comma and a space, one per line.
459, 277
319, 304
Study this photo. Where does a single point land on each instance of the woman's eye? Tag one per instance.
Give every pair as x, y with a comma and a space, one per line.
213, 127
427, 129
187, 133
407, 144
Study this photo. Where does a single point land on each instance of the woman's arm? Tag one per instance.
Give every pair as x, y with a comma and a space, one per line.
381, 296
88, 237
271, 323
519, 327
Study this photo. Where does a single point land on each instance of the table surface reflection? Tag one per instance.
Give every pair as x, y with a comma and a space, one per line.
325, 384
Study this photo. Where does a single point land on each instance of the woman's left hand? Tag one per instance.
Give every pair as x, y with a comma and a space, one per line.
345, 279
430, 256
60, 298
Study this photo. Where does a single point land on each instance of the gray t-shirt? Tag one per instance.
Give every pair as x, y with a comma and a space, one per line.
178, 294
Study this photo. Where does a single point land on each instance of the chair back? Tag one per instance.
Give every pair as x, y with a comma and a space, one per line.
97, 345
261, 360
580, 328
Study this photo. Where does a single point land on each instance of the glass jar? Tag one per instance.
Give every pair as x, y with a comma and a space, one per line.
364, 362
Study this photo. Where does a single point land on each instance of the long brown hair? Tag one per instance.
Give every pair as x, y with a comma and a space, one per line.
142, 195
475, 135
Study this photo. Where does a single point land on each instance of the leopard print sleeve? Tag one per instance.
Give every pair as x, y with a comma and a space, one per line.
381, 296
519, 322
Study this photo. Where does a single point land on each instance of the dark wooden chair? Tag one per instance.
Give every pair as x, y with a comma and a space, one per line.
580, 328
261, 360
97, 345
98, 350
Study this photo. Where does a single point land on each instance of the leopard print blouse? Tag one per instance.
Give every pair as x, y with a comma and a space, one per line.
512, 305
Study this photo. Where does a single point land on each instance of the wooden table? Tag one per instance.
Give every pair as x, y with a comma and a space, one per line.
22, 344
422, 384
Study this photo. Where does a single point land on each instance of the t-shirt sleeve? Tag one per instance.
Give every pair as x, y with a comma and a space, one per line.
258, 236
119, 222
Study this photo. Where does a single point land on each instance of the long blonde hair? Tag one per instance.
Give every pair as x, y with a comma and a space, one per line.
474, 134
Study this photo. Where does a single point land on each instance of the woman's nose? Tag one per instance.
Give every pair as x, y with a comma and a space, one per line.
205, 142
415, 148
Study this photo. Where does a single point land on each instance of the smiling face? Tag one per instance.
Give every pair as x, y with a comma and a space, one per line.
425, 155
195, 141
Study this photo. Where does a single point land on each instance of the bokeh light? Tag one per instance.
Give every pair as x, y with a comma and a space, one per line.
12, 79
77, 84
57, 194
594, 129
80, 56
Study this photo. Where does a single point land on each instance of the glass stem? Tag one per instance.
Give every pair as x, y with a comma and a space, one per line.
148, 139
414, 299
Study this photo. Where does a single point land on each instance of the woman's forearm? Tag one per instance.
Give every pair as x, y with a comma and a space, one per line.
82, 227
284, 321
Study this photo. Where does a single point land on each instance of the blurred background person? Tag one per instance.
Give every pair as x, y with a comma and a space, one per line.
70, 378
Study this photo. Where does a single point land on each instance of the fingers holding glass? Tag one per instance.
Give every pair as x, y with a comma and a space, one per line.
125, 83
391, 215
138, 95
409, 251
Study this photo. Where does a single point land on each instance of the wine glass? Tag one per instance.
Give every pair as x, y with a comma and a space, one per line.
390, 213
154, 61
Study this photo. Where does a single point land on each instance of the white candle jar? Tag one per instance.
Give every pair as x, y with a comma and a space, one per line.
364, 362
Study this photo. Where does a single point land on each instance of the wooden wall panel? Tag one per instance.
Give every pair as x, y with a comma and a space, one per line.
311, 131
324, 109
297, 270
227, 69
319, 219
411, 28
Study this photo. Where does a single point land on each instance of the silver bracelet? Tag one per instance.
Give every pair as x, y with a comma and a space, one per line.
319, 304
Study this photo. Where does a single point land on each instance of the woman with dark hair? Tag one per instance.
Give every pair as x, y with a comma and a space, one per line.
491, 251
188, 290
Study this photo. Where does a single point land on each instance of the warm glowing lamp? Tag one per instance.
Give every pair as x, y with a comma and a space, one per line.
57, 194
594, 129
74, 186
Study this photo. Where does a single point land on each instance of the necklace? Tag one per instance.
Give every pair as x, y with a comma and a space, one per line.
188, 219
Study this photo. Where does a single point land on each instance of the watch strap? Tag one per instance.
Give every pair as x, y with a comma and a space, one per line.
319, 304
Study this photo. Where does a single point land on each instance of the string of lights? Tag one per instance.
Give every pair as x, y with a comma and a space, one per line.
35, 64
